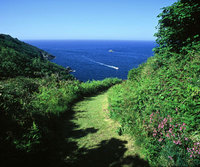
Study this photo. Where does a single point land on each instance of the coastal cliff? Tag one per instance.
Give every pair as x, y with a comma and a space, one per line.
21, 59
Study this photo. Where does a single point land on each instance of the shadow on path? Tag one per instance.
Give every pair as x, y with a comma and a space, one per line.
109, 153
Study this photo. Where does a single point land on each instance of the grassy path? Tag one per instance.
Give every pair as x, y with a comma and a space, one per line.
94, 138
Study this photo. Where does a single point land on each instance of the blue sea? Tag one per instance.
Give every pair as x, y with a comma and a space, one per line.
97, 59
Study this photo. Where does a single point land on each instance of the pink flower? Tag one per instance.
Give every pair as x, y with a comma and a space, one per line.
176, 109
151, 115
170, 158
165, 120
160, 140
191, 156
184, 124
154, 134
179, 142
168, 135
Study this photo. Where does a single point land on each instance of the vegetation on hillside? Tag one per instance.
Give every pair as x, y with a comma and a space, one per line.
159, 104
21, 59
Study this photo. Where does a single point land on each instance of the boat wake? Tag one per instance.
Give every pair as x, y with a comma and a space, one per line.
106, 65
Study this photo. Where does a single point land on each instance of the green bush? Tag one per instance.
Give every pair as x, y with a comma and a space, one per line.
32, 110
17, 124
179, 26
172, 89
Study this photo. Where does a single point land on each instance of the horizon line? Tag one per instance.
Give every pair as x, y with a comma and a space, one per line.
87, 39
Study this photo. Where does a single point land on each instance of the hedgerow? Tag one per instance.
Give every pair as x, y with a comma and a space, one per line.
160, 103
160, 106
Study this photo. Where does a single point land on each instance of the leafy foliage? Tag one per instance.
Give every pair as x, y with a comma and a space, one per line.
159, 104
172, 89
32, 110
179, 26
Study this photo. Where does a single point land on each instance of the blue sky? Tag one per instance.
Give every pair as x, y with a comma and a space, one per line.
81, 19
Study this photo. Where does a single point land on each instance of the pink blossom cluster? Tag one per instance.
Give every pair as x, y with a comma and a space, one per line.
195, 150
163, 129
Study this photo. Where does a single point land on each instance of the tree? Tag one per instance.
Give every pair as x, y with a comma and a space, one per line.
179, 26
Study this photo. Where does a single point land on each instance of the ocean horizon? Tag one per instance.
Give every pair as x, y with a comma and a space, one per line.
97, 59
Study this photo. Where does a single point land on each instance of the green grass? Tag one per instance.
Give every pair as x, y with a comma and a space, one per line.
96, 138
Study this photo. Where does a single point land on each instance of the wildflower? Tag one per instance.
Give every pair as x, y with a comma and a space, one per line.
179, 142
176, 109
191, 156
165, 120
160, 140
170, 158
168, 135
154, 134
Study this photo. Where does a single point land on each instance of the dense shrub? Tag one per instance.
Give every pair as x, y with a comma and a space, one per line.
18, 129
162, 93
159, 104
179, 26
32, 110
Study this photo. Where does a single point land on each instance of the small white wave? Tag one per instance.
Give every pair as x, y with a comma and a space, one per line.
106, 65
